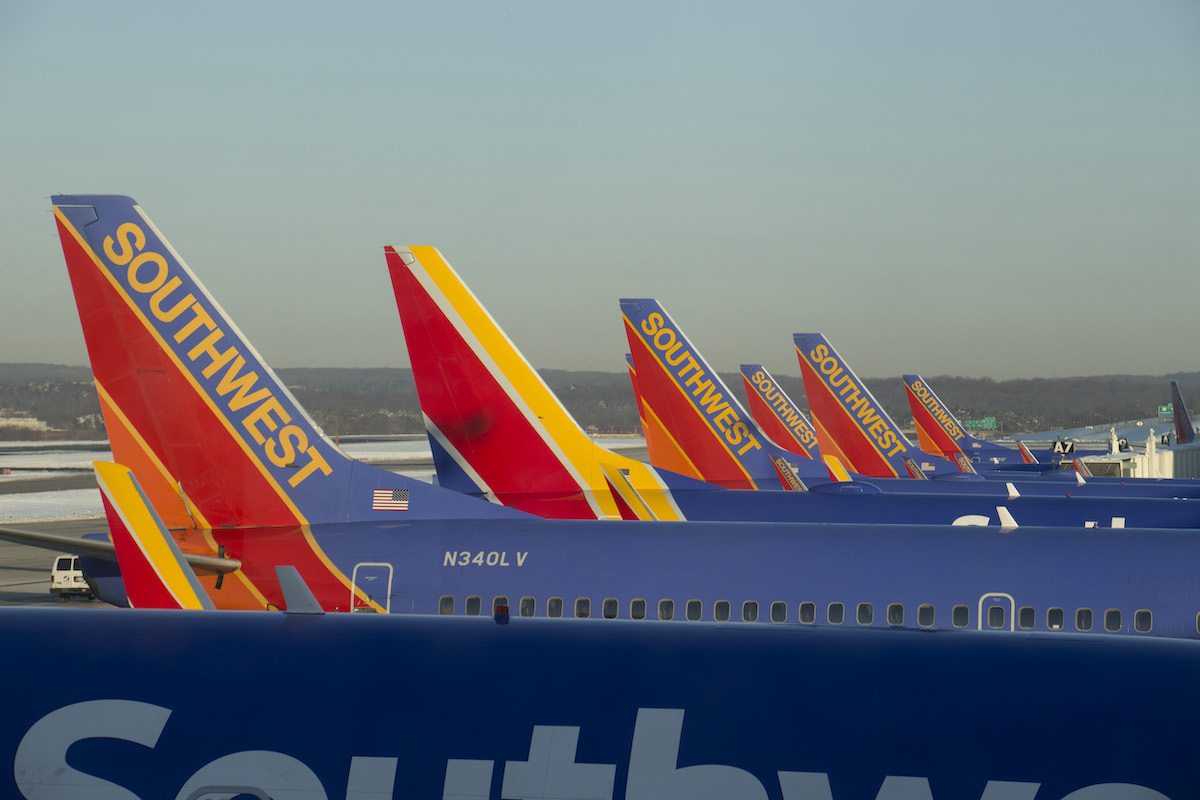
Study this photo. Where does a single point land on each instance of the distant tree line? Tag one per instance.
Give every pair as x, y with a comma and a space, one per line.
384, 401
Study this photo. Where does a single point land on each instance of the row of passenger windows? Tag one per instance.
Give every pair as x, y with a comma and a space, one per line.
835, 613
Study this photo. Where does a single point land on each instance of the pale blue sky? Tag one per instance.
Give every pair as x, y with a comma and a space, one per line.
1006, 189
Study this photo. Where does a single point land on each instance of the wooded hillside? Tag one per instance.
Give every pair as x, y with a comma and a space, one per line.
383, 401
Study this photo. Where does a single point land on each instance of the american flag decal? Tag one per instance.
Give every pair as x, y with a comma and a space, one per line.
389, 500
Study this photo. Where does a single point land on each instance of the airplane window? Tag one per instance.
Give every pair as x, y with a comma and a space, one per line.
808, 613
837, 613
996, 617
1026, 618
750, 611
528, 606
1143, 621
1055, 619
446, 605
721, 611
925, 615
500, 600
583, 607
637, 609
694, 607
666, 609
896, 614
960, 616
866, 613
1112, 620
554, 607
609, 609
778, 612
1083, 619
474, 605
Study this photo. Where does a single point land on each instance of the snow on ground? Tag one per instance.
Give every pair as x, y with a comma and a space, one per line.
45, 506
85, 503
397, 450
22, 463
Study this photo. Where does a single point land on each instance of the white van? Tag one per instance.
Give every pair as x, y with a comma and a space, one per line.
67, 579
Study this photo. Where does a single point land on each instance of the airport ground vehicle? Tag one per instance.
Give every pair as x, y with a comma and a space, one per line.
68, 580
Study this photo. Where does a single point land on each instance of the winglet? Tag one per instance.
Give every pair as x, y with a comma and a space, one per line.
837, 471
1007, 522
297, 597
152, 567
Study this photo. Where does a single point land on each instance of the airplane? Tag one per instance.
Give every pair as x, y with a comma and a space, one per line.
780, 419
702, 417
1185, 433
154, 334
940, 433
689, 424
497, 431
495, 428
851, 423
155, 574
849, 419
196, 704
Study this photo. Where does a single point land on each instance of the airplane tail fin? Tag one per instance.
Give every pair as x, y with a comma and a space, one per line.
941, 433
938, 431
496, 429
215, 438
702, 417
849, 421
664, 451
1026, 454
780, 419
1184, 432
1081, 467
153, 569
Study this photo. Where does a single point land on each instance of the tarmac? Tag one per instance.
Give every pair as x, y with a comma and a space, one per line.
25, 571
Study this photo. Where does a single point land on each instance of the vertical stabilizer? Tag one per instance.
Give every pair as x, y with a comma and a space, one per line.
938, 431
849, 421
780, 419
496, 427
215, 438
941, 433
680, 390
